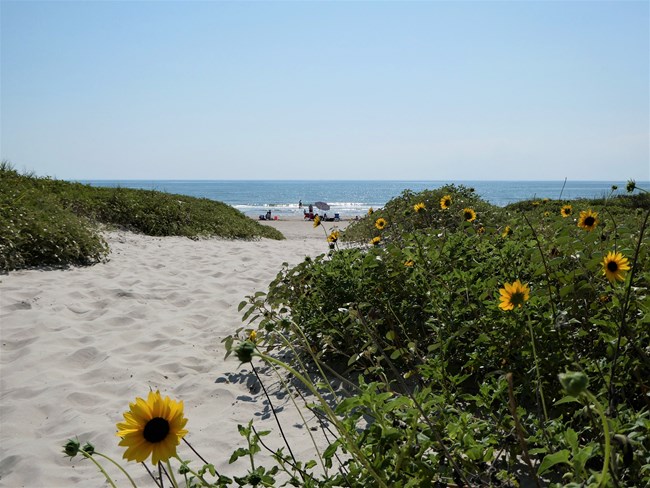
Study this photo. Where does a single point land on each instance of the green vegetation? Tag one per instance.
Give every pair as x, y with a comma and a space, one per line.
462, 330
491, 347
51, 222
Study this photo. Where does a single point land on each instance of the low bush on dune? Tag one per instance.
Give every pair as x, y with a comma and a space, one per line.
52, 222
488, 347
443, 208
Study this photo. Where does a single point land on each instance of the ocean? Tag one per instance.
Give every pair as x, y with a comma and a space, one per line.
350, 198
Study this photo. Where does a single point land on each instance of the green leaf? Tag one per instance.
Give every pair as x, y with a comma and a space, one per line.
551, 460
566, 399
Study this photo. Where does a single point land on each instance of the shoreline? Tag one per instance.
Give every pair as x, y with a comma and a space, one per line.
79, 344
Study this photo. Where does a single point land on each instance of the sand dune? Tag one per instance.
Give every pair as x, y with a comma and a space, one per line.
79, 344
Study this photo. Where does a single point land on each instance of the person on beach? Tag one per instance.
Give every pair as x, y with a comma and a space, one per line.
300, 204
268, 215
311, 208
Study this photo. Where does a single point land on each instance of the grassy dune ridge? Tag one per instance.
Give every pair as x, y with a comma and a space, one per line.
44, 221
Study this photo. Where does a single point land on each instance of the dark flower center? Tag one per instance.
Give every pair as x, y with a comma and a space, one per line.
517, 298
156, 430
589, 221
468, 215
612, 266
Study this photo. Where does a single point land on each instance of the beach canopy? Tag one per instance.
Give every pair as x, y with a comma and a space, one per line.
321, 206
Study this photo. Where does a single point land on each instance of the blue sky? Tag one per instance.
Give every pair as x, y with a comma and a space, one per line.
327, 90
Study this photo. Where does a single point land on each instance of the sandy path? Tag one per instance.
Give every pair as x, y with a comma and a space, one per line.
79, 344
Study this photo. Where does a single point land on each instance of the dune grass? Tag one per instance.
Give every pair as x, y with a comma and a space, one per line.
44, 221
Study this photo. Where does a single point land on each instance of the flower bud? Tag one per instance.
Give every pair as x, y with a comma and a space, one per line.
71, 448
574, 382
89, 448
244, 351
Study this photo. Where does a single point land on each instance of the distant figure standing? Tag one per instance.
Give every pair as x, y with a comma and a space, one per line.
311, 208
268, 215
300, 204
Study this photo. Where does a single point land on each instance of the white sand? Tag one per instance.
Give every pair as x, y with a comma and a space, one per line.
79, 344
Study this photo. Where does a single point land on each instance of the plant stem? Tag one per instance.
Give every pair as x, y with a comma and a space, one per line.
350, 443
624, 308
198, 455
603, 418
119, 467
539, 378
548, 273
275, 415
203, 480
171, 474
99, 466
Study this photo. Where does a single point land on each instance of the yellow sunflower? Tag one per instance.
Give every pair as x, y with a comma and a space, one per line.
566, 211
469, 215
252, 336
418, 207
375, 240
481, 230
316, 221
615, 266
409, 263
445, 202
588, 220
506, 232
152, 427
380, 223
513, 295
333, 237
370, 211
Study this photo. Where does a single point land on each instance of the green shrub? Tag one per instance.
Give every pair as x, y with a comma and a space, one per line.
46, 222
419, 317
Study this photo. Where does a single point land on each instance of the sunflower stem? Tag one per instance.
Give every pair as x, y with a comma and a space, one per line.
350, 442
198, 455
277, 420
119, 466
598, 407
540, 389
624, 309
171, 474
153, 476
99, 466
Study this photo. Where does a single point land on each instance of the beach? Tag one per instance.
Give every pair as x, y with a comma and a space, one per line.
79, 344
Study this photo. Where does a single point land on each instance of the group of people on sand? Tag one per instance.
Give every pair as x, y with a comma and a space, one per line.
308, 214
267, 216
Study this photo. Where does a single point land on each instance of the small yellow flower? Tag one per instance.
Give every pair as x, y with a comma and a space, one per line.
469, 215
615, 265
333, 237
152, 427
546, 200
316, 221
445, 202
418, 207
409, 263
507, 232
375, 240
370, 211
547, 213
588, 220
380, 223
481, 230
513, 295
535, 203
252, 336
566, 211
